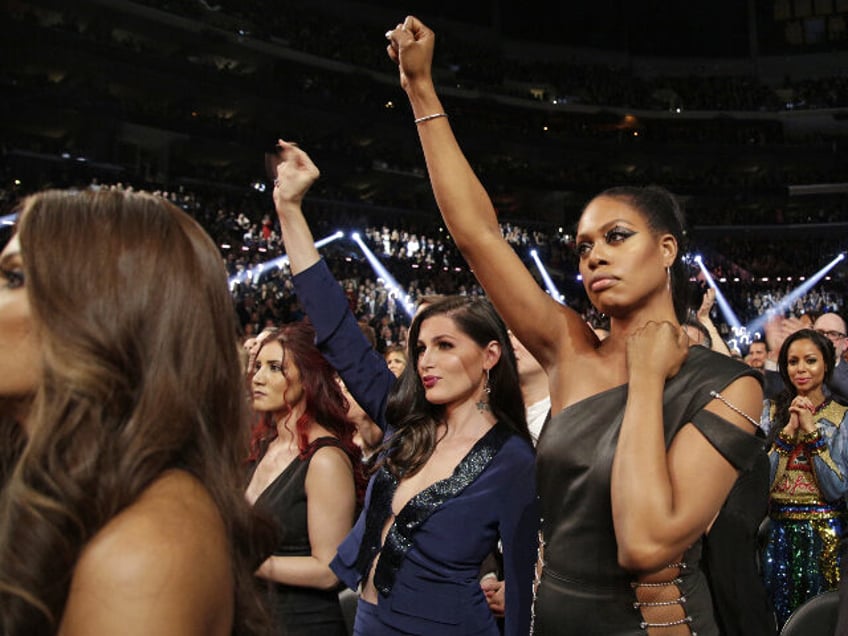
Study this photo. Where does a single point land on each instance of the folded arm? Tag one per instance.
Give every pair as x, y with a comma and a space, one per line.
685, 486
331, 505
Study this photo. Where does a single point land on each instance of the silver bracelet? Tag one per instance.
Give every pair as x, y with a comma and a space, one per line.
421, 120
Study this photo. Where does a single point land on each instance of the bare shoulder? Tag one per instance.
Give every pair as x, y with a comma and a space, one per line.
741, 403
329, 460
160, 566
174, 515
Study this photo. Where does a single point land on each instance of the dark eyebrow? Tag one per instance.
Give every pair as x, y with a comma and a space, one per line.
9, 256
606, 227
278, 361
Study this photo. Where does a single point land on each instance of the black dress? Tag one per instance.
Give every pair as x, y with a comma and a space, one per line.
731, 557
298, 611
583, 589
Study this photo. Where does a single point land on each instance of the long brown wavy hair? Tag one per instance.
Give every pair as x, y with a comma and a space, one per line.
140, 375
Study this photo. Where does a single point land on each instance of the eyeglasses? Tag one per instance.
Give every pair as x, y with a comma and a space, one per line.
832, 335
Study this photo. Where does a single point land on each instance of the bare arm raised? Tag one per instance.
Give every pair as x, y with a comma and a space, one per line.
718, 343
468, 212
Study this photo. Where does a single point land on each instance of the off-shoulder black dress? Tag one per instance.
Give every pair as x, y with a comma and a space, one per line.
583, 589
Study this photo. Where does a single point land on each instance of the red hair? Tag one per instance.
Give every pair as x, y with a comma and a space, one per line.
323, 398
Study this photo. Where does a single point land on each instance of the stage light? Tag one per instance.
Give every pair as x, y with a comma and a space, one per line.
549, 283
247, 274
401, 297
723, 305
9, 219
789, 299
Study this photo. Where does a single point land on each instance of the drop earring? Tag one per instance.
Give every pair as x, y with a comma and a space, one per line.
483, 404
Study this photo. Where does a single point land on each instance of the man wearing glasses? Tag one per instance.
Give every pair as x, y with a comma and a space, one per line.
832, 326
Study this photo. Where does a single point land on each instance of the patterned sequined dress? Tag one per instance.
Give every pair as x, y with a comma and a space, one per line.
583, 589
809, 477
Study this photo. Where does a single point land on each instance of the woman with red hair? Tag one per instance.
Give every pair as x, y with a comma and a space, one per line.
305, 473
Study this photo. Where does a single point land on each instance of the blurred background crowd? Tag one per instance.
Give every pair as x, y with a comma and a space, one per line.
184, 97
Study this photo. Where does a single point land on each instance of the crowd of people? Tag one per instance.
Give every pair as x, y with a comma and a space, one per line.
200, 437
480, 64
300, 77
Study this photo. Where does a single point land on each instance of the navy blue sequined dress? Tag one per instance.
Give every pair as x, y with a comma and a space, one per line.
427, 570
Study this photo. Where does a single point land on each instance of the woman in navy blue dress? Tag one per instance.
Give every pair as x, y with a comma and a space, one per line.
456, 477
457, 474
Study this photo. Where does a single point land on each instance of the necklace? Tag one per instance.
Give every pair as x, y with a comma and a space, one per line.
821, 406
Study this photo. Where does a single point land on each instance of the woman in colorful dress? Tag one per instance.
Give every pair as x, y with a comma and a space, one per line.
809, 476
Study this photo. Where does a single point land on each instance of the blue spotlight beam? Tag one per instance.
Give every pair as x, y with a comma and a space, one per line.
789, 299
549, 282
723, 305
9, 219
401, 296
260, 268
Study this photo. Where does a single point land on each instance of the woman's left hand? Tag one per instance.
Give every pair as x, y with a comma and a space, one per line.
657, 348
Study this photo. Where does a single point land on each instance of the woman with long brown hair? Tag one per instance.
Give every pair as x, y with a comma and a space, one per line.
124, 512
